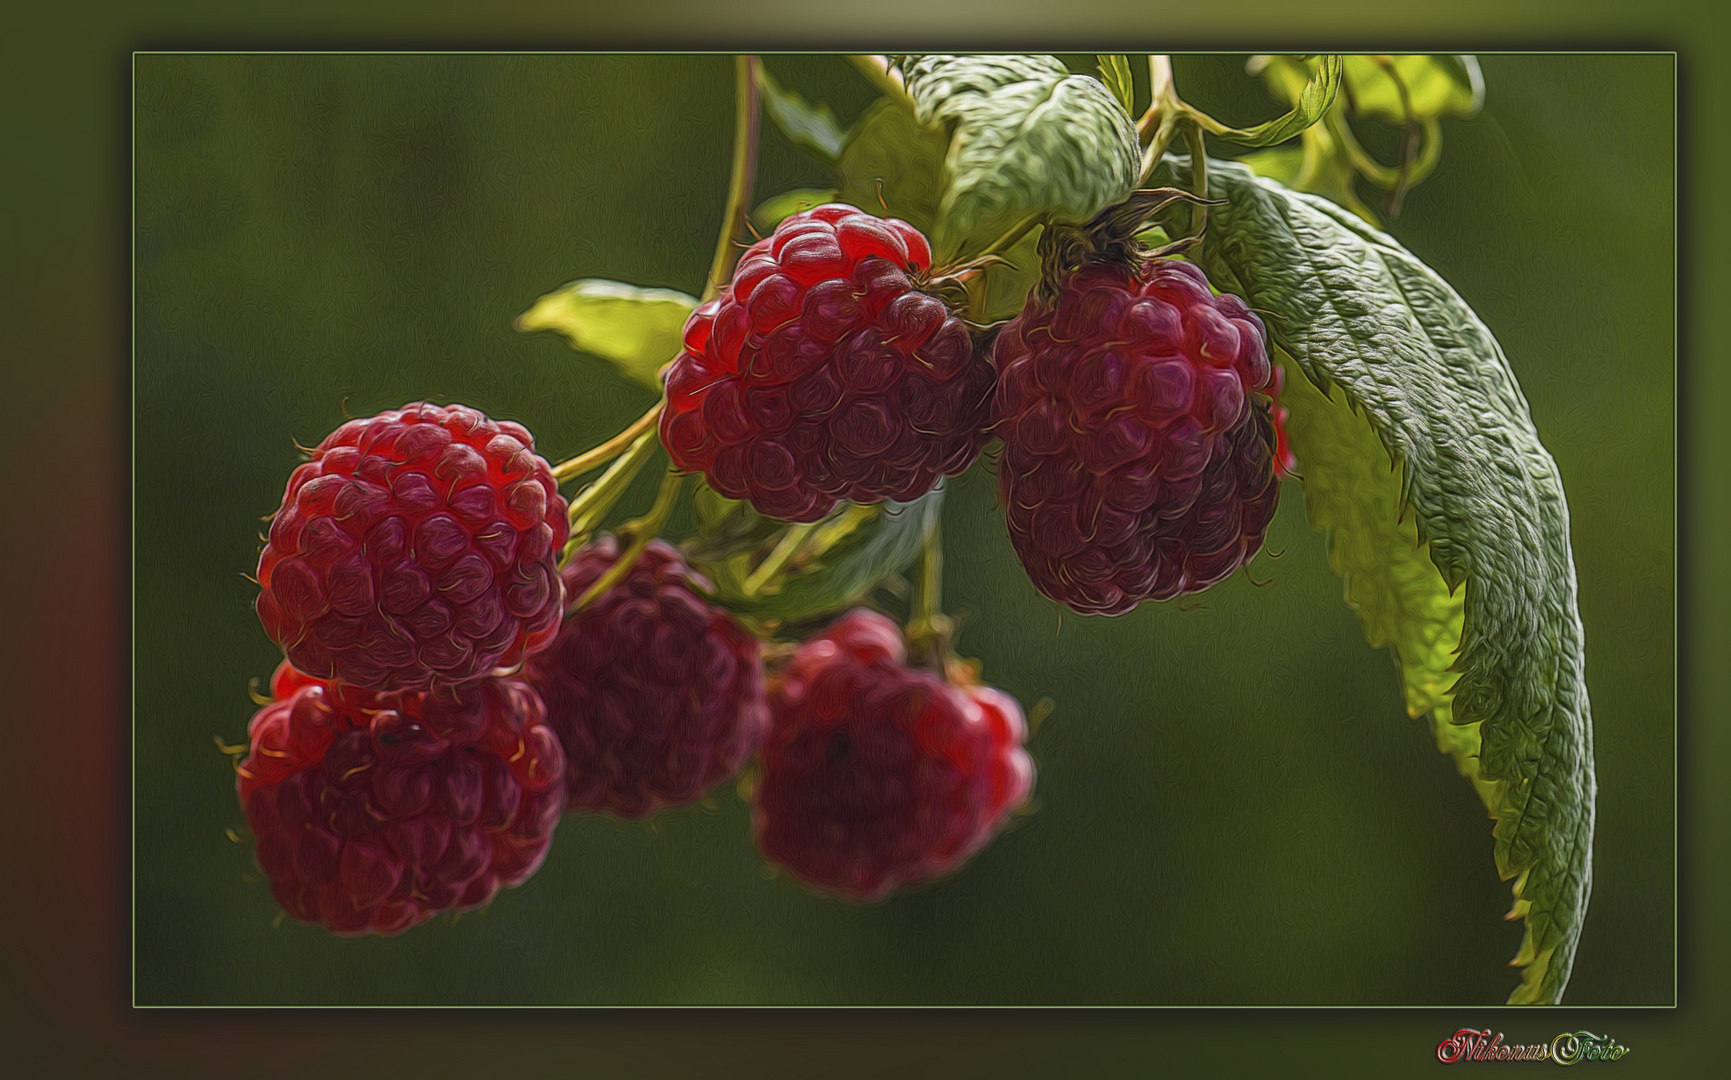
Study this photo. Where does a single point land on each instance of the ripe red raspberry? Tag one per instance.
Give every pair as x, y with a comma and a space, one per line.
877, 775
656, 696
1138, 452
823, 373
415, 549
375, 813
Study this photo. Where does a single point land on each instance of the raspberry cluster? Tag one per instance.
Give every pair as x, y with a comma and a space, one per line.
823, 373
397, 774
876, 774
656, 696
415, 549
373, 813
1138, 448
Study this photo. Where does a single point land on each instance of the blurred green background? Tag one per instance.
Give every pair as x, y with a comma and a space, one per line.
1232, 806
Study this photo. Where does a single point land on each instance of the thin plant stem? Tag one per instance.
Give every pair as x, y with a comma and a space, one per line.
607, 451
929, 629
642, 531
745, 121
592, 504
1199, 173
777, 560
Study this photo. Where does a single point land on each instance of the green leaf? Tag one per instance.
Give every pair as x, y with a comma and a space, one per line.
1115, 73
813, 127
1397, 351
1007, 284
894, 164
1436, 85
837, 562
1026, 138
771, 211
639, 330
1316, 165
1313, 101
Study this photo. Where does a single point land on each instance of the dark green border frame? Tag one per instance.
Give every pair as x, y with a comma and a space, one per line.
66, 304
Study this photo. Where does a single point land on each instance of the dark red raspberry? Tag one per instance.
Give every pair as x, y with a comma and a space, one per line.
656, 696
877, 775
1138, 451
823, 373
416, 548
375, 813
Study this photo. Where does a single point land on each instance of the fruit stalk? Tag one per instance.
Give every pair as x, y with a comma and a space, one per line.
607, 451
592, 504
641, 531
744, 166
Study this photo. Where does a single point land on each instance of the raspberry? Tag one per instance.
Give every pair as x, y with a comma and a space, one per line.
1138, 452
656, 696
877, 775
415, 548
822, 373
375, 813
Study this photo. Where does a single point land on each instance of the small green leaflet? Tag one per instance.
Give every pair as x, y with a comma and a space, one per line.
834, 563
1313, 101
639, 330
1026, 138
1115, 73
813, 127
1398, 352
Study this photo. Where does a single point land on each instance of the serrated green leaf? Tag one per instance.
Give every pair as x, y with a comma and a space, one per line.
1436, 85
1027, 137
813, 127
1115, 73
771, 211
1362, 317
639, 330
1313, 100
894, 164
840, 559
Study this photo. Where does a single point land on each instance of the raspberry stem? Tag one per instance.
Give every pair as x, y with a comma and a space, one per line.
592, 504
744, 165
783, 553
642, 531
1199, 173
929, 629
607, 451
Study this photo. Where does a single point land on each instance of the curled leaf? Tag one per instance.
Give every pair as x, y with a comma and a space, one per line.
1313, 101
1385, 344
